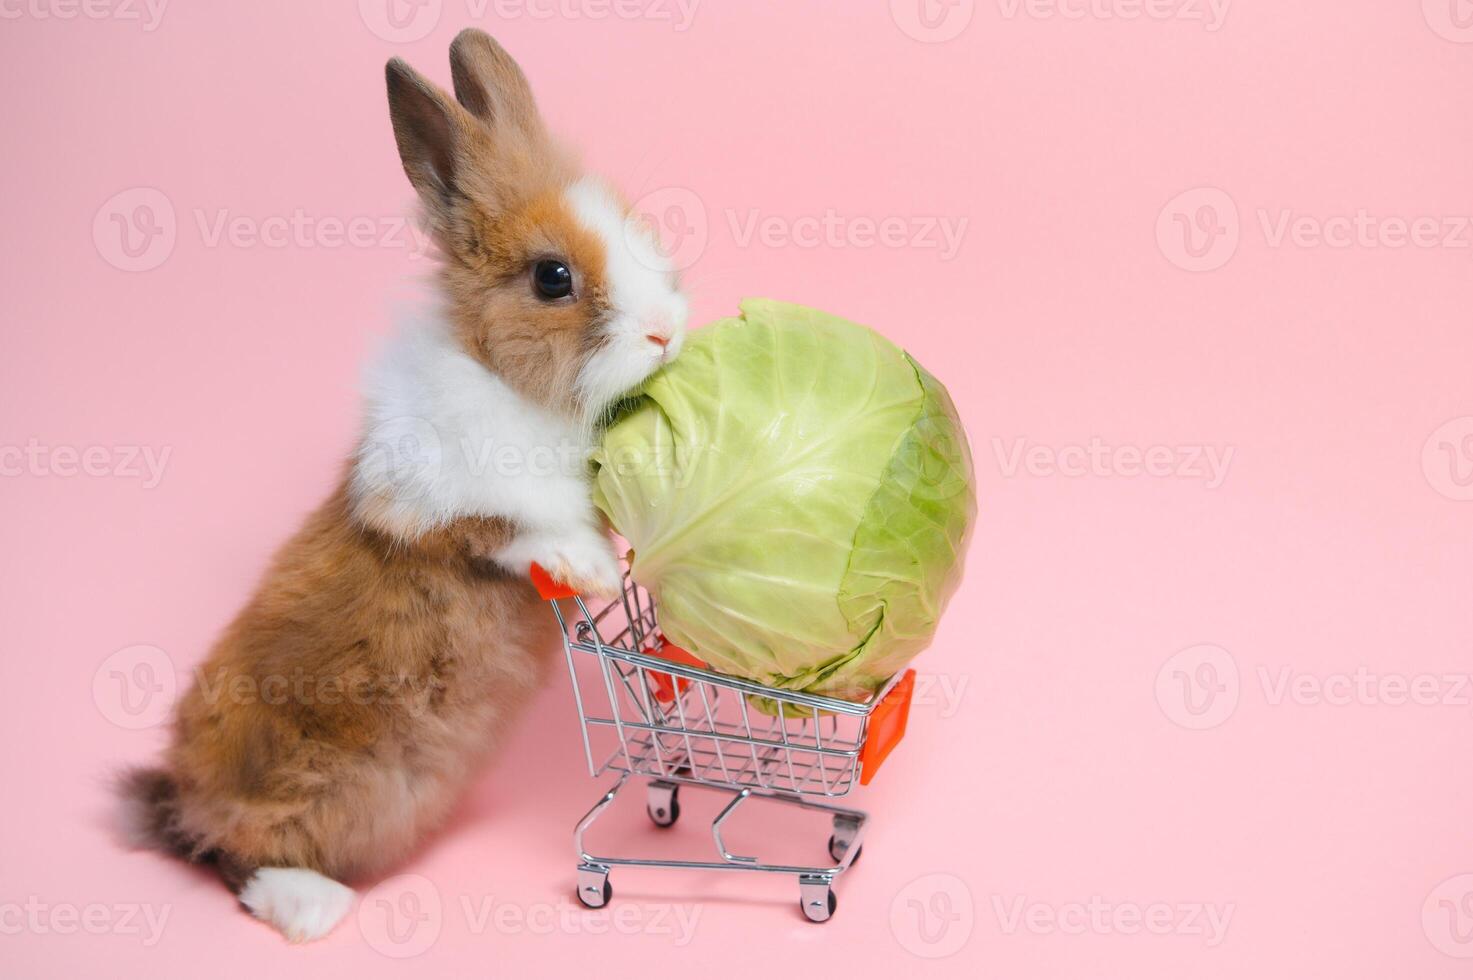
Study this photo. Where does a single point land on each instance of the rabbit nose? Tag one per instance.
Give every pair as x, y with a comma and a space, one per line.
658, 330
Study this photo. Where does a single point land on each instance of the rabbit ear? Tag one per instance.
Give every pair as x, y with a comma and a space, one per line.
435, 135
490, 84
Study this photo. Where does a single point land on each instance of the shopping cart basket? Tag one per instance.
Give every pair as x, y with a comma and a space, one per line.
649, 710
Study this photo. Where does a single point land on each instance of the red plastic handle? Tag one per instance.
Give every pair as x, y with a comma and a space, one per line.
666, 685
547, 586
886, 727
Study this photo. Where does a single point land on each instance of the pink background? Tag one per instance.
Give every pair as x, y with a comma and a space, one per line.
1063, 774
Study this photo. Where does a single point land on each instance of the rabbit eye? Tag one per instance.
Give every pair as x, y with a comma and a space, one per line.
552, 279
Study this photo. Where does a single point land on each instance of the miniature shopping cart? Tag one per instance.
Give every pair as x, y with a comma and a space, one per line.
650, 710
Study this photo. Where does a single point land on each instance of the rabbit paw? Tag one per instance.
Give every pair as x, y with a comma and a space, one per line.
586, 564
583, 561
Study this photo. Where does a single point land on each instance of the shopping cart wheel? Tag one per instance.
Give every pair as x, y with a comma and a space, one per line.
837, 850
594, 890
817, 899
663, 805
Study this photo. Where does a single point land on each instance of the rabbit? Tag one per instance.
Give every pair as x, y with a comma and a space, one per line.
395, 638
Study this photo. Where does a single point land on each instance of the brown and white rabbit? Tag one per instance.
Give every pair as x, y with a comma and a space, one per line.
395, 638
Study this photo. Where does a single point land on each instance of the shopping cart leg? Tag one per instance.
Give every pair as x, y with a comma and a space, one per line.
846, 829
594, 889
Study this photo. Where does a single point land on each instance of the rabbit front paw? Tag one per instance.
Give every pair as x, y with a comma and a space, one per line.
583, 561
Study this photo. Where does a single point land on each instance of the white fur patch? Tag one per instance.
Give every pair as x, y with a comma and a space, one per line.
303, 904
642, 291
444, 438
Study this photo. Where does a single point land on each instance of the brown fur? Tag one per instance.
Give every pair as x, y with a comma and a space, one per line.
341, 713
535, 346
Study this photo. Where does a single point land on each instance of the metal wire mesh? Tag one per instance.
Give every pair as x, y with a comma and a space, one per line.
647, 716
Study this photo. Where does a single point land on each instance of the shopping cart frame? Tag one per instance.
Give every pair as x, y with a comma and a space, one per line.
672, 729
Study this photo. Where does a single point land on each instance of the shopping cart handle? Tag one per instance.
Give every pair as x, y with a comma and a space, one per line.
547, 586
667, 686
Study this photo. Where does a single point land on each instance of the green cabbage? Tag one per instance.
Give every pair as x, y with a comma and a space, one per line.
797, 492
